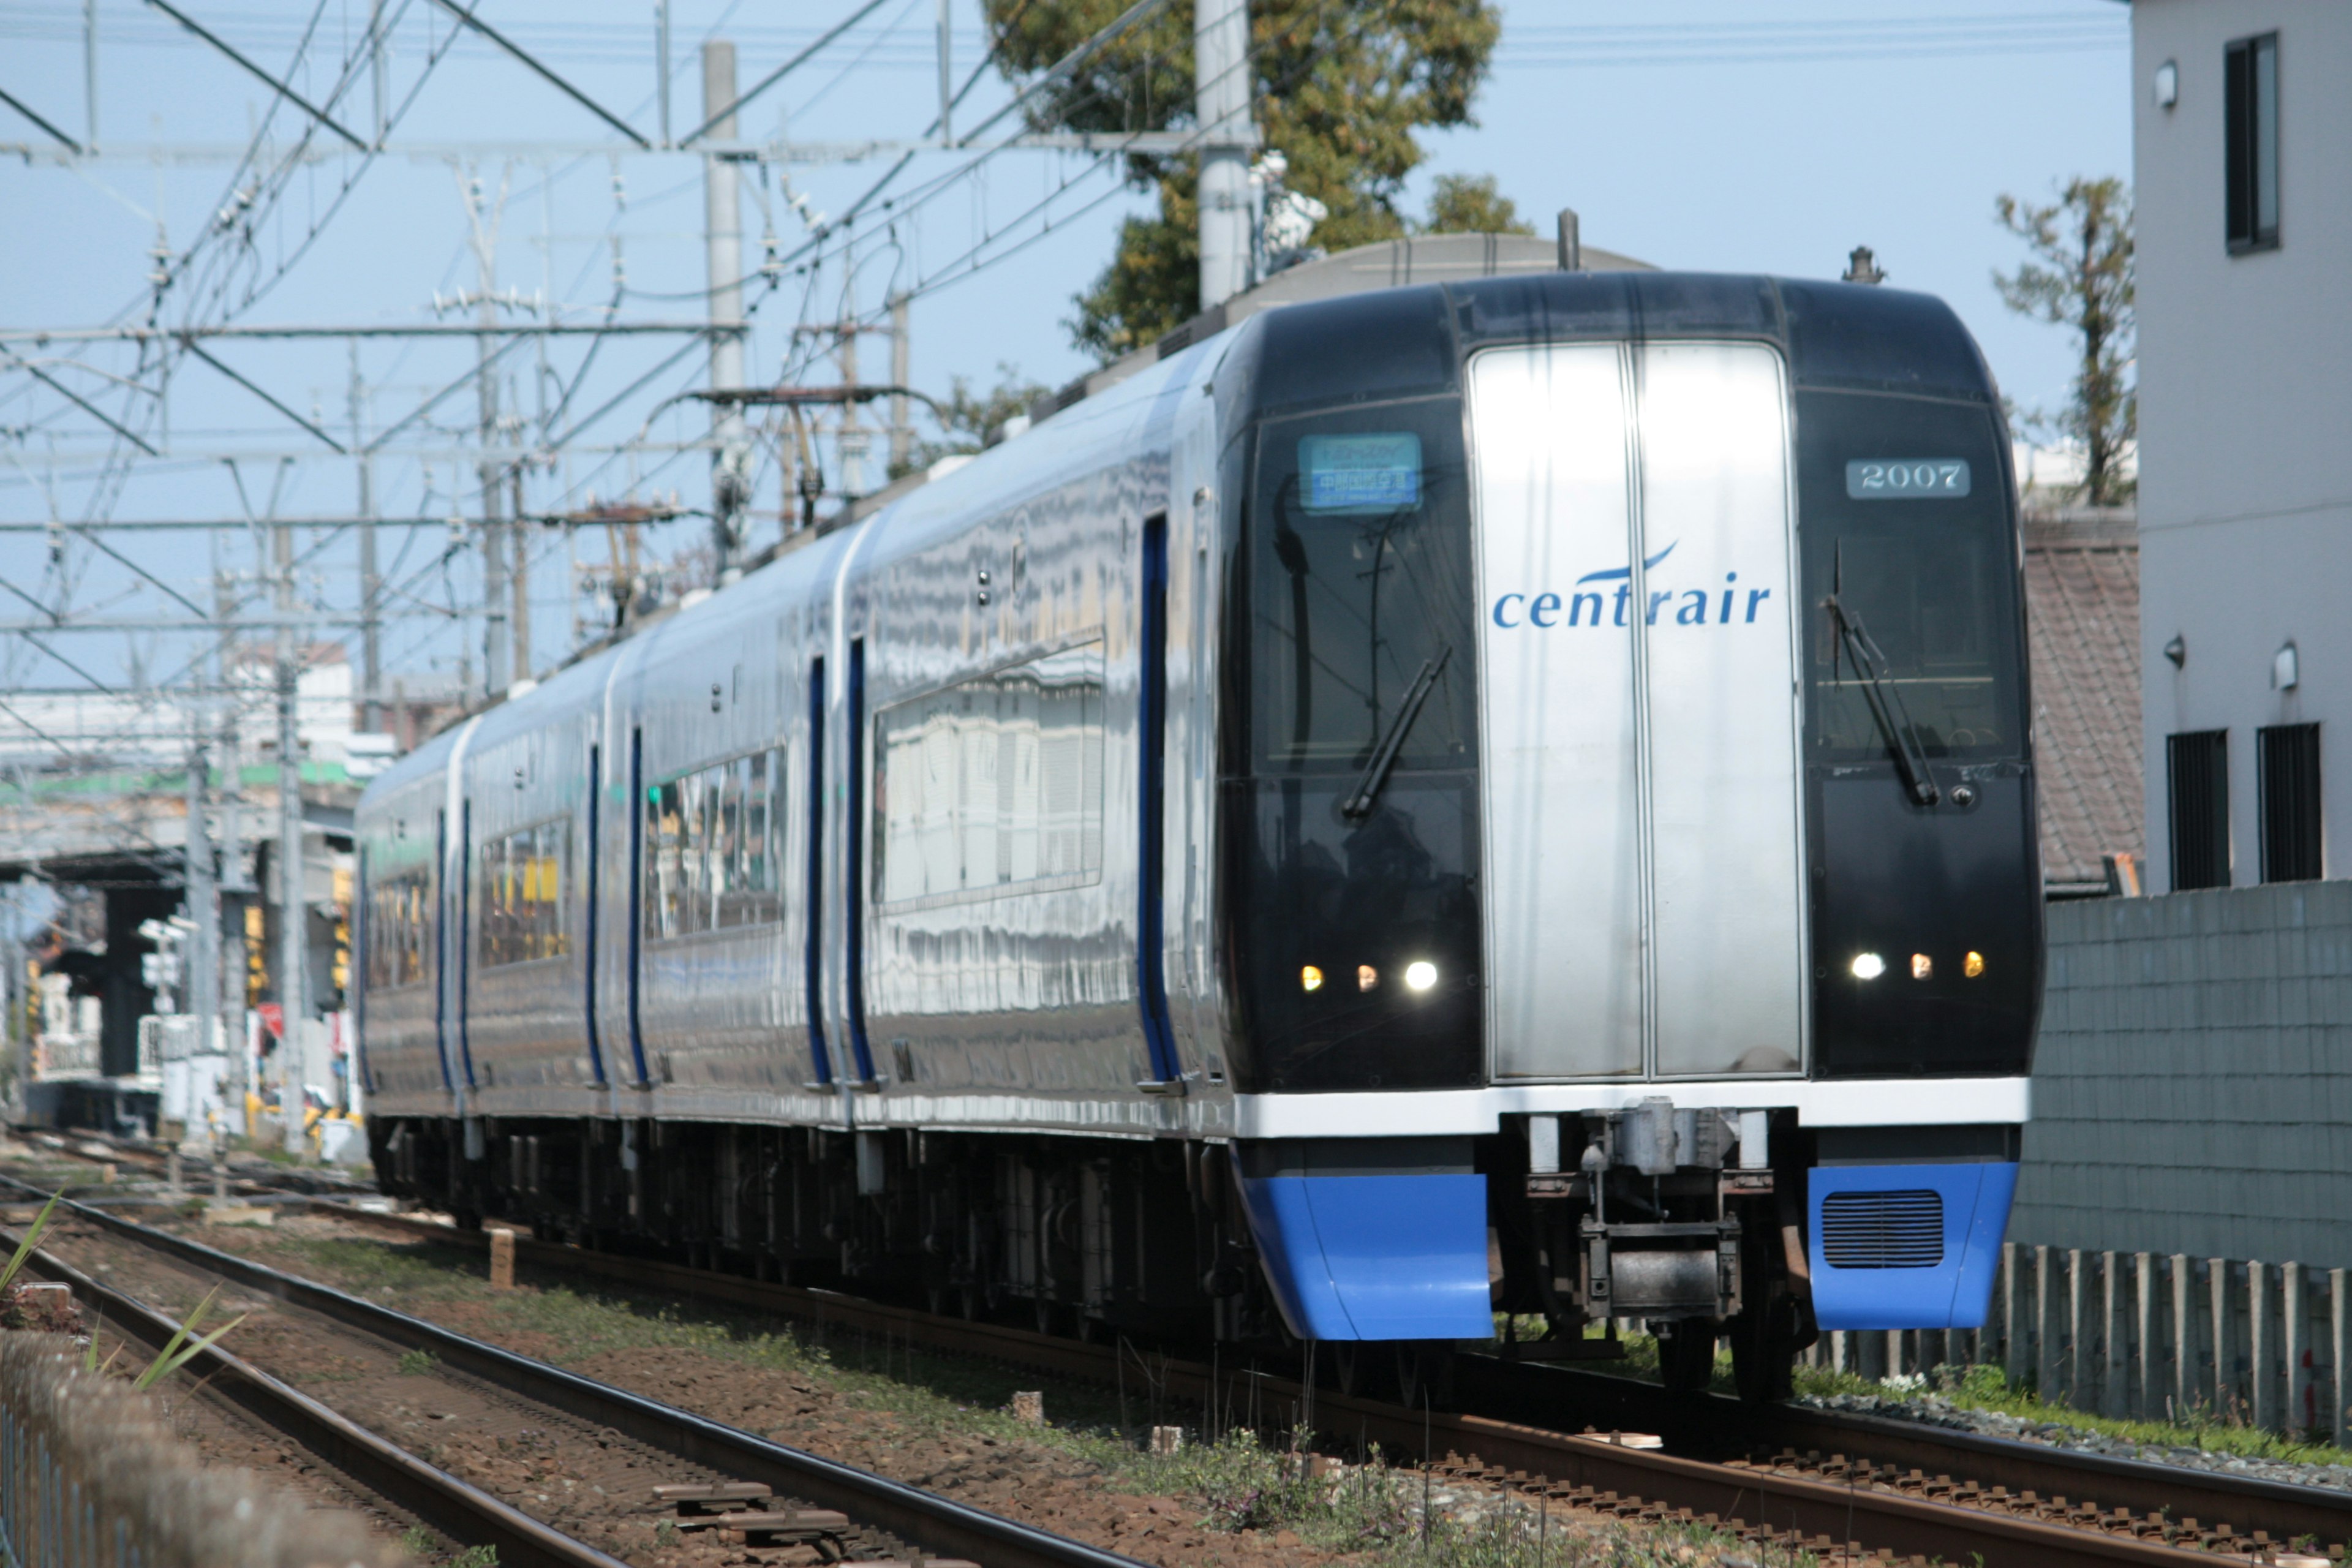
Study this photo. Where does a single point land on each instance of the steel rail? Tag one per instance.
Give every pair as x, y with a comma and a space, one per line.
941, 1526
462, 1513
1523, 1403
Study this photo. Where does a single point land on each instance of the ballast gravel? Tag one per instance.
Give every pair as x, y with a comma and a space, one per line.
1933, 1410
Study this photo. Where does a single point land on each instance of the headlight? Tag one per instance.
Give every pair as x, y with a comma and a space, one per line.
1366, 977
1972, 965
1922, 967
1868, 966
1421, 974
1311, 979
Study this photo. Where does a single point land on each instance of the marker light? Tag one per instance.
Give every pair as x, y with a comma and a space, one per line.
1311, 979
1922, 967
1366, 977
1868, 966
1421, 974
1973, 965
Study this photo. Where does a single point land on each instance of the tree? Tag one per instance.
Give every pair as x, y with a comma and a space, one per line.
1464, 203
2082, 278
970, 416
1339, 88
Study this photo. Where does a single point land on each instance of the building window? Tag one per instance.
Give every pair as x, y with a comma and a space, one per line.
2198, 765
2250, 113
2289, 765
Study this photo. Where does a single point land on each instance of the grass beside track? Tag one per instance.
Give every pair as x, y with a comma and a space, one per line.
1989, 1388
1254, 1491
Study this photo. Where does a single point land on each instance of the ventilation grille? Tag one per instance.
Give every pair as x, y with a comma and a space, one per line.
1882, 1230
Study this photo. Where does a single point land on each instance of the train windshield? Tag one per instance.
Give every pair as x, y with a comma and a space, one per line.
1910, 570
1361, 595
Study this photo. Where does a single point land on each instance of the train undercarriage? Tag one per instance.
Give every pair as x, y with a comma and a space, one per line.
1643, 1215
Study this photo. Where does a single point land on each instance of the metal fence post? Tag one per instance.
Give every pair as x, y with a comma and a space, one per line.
2143, 1304
2335, 1353
2258, 1405
2111, 1358
2184, 1337
2074, 1326
2293, 1417
2045, 1359
2216, 1283
2012, 1349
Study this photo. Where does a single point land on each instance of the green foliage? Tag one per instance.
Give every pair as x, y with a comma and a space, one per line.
1245, 1485
1467, 204
1338, 88
418, 1542
180, 1349
417, 1363
476, 1557
971, 416
2082, 278
32, 1239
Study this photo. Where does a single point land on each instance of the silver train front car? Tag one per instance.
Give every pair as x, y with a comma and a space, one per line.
1504, 797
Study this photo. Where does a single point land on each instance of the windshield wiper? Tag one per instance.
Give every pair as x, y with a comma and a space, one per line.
1376, 771
1886, 703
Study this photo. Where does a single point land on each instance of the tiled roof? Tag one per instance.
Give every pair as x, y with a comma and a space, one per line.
2082, 612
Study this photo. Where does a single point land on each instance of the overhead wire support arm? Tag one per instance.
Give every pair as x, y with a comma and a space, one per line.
244, 382
18, 104
280, 88
782, 71
464, 14
84, 403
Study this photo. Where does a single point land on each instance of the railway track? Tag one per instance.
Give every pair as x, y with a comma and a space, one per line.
1787, 1474
712, 1477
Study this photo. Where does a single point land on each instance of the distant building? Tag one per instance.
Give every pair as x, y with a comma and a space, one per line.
2242, 133
2082, 622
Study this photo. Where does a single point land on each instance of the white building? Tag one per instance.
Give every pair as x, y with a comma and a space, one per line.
2242, 161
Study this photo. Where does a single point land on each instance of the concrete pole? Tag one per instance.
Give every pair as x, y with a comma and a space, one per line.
947, 76
1220, 75
722, 205
519, 570
371, 583
203, 986
902, 433
849, 437
495, 666
293, 933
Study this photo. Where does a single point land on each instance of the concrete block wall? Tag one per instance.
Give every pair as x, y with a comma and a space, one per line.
2193, 1087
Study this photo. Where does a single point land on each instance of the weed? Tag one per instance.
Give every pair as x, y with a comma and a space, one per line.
418, 1363
476, 1557
180, 1349
418, 1542
666, 1532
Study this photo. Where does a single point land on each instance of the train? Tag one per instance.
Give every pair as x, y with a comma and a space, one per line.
1500, 802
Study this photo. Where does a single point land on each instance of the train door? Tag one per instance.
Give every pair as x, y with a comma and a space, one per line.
1644, 893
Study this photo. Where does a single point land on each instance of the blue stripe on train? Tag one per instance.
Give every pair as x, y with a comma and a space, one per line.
1870, 1228
1375, 1257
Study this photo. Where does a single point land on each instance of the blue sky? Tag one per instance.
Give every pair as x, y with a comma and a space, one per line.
1692, 134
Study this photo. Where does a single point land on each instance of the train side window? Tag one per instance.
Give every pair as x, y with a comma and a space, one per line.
522, 895
714, 846
992, 785
399, 912
2288, 761
2250, 116
2197, 766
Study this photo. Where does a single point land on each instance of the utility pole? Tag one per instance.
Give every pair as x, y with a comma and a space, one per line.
293, 956
1221, 86
947, 76
371, 585
204, 909
722, 193
520, 573
902, 434
495, 666
849, 436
